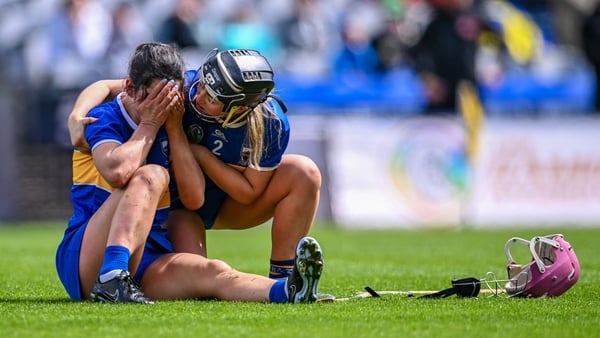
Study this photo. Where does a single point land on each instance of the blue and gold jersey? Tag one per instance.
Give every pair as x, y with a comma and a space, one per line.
90, 189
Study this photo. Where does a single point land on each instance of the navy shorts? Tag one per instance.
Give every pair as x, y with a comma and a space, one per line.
213, 199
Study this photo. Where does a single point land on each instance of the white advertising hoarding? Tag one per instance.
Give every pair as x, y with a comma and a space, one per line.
537, 172
413, 172
396, 172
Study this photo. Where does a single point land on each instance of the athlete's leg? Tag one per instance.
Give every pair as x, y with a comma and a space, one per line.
190, 276
187, 232
124, 219
291, 199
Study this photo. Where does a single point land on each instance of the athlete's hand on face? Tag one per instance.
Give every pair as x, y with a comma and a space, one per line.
176, 112
77, 132
155, 108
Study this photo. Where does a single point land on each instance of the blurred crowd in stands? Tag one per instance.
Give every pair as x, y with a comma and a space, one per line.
327, 53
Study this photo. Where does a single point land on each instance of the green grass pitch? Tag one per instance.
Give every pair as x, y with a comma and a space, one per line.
34, 304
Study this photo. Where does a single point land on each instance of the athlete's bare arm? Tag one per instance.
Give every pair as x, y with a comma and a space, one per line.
91, 96
244, 185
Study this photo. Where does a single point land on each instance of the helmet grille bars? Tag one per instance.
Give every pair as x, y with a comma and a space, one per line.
237, 78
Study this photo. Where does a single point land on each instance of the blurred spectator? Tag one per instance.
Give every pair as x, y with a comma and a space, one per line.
307, 38
591, 46
50, 48
245, 29
567, 18
71, 45
357, 59
445, 53
391, 50
63, 55
404, 21
179, 26
129, 30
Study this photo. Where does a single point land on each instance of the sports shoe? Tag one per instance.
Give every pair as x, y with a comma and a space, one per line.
303, 283
121, 289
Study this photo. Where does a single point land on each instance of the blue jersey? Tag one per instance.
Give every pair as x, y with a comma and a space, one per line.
229, 145
90, 189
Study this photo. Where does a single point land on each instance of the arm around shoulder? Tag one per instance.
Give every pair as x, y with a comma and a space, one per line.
91, 96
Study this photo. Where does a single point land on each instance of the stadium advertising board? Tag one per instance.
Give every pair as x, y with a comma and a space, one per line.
396, 172
414, 172
544, 172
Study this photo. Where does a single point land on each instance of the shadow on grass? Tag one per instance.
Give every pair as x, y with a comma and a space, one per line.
37, 300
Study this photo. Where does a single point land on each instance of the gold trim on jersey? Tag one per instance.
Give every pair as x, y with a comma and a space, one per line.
85, 172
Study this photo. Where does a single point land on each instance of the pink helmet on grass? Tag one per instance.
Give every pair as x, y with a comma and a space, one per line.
553, 270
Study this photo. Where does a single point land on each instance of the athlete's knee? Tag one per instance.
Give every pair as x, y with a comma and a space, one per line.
305, 171
218, 267
152, 176
313, 172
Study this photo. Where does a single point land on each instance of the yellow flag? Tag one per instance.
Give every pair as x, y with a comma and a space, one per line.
520, 33
472, 114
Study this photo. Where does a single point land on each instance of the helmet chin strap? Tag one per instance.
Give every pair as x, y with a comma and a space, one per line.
240, 117
227, 120
228, 123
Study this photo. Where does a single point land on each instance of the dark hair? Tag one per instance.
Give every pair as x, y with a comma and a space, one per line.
152, 61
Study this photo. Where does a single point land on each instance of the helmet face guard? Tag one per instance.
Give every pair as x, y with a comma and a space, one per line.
237, 78
553, 270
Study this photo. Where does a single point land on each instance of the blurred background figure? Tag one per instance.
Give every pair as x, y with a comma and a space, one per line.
590, 36
356, 58
180, 26
129, 30
306, 37
527, 58
244, 28
445, 53
61, 56
403, 23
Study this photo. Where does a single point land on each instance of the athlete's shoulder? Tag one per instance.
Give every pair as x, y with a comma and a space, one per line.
105, 109
113, 123
276, 107
191, 76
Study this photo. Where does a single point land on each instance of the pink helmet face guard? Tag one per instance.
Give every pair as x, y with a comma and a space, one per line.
553, 270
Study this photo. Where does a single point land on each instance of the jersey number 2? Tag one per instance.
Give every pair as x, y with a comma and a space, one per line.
218, 146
